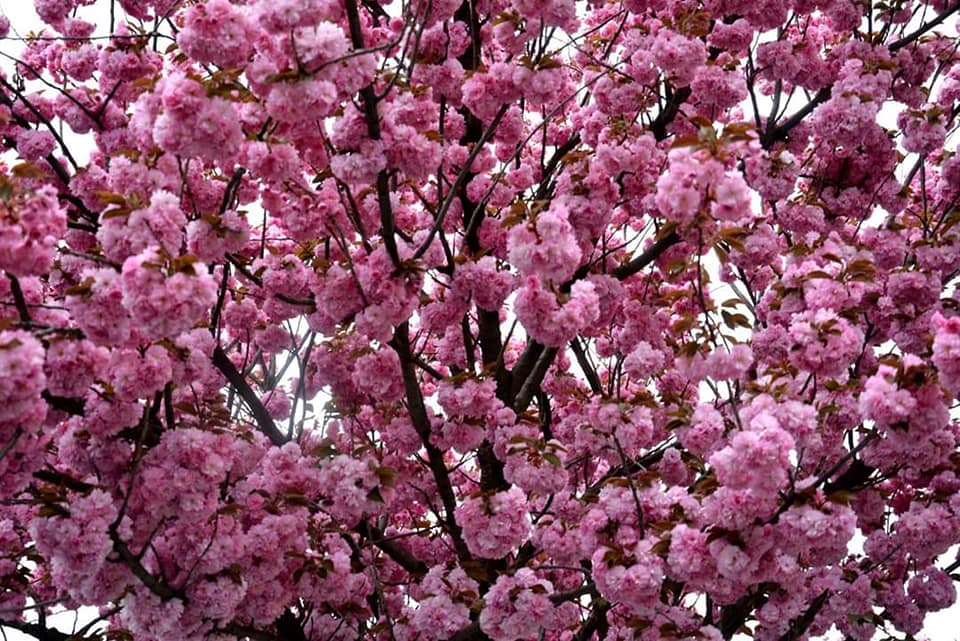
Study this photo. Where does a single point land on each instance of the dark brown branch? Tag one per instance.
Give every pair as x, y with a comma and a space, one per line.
230, 192
670, 110
799, 625
470, 633
402, 557
260, 414
643, 260
369, 99
781, 131
244, 632
596, 622
570, 595
18, 298
593, 379
523, 367
421, 423
378, 12
906, 40
530, 367
553, 163
151, 582
37, 631
459, 186
532, 383
290, 627
52, 476
72, 406
733, 616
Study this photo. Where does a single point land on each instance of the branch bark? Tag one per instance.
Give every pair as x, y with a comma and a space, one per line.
260, 414
402, 557
37, 631
421, 423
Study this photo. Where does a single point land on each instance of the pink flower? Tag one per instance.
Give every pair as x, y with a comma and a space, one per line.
946, 351
517, 607
551, 322
217, 32
765, 448
932, 590
21, 382
824, 342
882, 400
30, 226
163, 306
160, 223
631, 578
191, 124
493, 525
549, 251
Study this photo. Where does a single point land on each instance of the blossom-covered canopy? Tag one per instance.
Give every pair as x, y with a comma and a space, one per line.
428, 320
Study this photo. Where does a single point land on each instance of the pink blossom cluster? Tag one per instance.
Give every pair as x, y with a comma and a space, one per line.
160, 304
444, 604
22, 380
518, 607
191, 124
30, 226
946, 352
635, 582
766, 446
551, 321
78, 544
159, 224
217, 32
494, 524
549, 250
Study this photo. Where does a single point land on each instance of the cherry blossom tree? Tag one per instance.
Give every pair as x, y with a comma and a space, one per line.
424, 320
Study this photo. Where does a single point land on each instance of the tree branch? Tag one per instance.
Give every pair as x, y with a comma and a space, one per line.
151, 582
402, 557
643, 260
906, 40
799, 625
421, 423
780, 132
369, 99
260, 414
37, 631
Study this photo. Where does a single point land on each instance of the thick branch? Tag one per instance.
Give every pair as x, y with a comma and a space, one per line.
532, 383
553, 163
780, 132
421, 423
18, 298
369, 99
588, 369
733, 616
643, 260
152, 583
37, 631
402, 557
669, 112
906, 40
596, 622
260, 414
798, 626
531, 367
